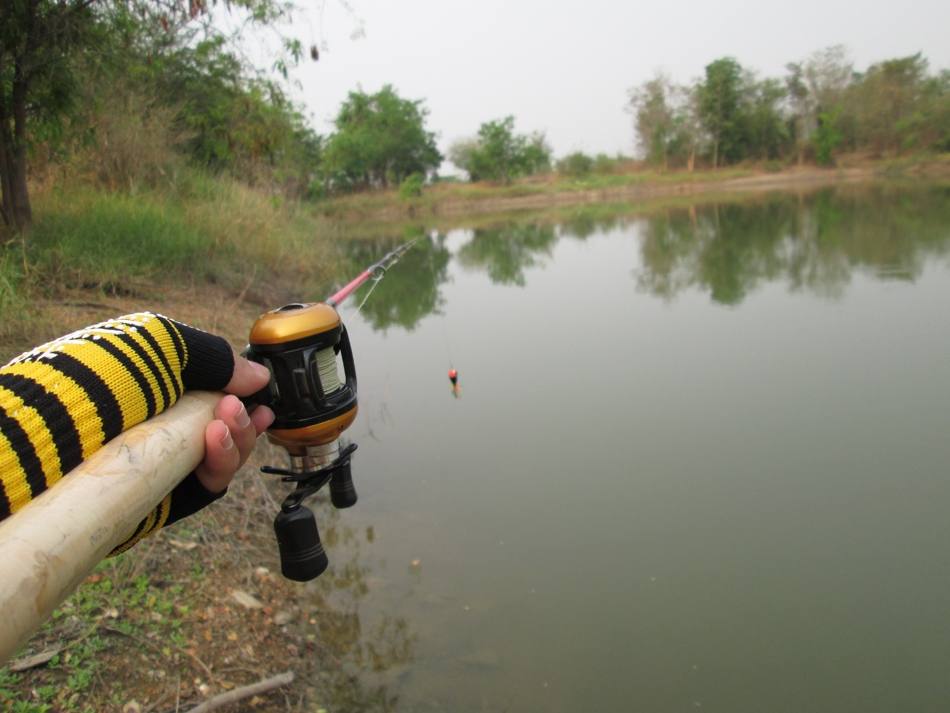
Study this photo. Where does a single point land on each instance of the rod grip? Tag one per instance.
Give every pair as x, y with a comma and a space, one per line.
52, 544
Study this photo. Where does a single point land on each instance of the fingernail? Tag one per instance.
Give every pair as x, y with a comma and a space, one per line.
243, 420
226, 441
272, 416
260, 370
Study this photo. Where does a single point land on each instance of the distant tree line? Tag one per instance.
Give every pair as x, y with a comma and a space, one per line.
128, 92
820, 107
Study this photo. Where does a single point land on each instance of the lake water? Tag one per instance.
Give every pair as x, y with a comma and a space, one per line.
700, 460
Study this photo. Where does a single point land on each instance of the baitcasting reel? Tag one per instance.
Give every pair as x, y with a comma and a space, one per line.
299, 344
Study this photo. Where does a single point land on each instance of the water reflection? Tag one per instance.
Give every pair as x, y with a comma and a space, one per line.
504, 253
409, 293
361, 663
812, 242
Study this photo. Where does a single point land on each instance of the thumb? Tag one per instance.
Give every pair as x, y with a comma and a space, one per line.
249, 377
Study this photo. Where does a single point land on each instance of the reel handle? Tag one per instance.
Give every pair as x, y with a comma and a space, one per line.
302, 557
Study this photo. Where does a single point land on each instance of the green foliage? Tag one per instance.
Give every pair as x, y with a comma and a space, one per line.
827, 138
222, 117
575, 165
765, 130
654, 118
822, 106
499, 154
47, 45
720, 96
411, 187
380, 139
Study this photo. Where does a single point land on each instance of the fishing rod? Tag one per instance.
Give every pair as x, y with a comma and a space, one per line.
376, 270
49, 547
299, 344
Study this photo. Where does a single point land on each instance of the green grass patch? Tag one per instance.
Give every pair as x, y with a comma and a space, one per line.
92, 239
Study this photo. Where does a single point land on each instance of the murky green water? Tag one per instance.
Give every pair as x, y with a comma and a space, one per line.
700, 460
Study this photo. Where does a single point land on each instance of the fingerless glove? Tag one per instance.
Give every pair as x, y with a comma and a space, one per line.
60, 402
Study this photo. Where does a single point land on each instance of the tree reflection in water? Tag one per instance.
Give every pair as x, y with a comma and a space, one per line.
812, 242
410, 291
506, 252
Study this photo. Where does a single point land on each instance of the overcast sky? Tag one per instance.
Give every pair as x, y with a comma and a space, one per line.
564, 68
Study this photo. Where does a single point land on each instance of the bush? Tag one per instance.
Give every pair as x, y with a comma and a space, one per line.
576, 165
411, 187
605, 164
826, 138
499, 154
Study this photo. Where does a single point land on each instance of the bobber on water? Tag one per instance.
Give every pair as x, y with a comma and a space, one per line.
454, 377
300, 345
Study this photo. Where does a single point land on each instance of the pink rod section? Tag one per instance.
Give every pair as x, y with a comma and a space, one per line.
345, 291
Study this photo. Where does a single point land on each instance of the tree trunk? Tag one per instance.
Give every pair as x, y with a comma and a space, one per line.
716, 153
691, 161
21, 195
15, 200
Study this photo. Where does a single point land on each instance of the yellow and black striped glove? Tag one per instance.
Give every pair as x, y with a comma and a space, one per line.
60, 402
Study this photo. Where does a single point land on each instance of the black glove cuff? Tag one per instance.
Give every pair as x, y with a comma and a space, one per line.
210, 361
190, 496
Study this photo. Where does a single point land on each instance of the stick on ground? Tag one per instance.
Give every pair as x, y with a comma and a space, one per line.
223, 699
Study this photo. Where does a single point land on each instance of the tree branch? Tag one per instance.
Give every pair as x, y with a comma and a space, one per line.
223, 699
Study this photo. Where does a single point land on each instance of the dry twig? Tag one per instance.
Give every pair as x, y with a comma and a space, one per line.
223, 699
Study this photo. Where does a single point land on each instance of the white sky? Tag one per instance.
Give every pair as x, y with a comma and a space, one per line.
564, 68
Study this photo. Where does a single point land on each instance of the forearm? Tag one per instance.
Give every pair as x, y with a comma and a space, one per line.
60, 402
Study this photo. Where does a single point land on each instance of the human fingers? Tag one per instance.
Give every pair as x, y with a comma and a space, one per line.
238, 420
248, 378
222, 458
262, 417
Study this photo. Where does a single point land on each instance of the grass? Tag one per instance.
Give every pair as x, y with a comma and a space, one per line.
93, 239
112, 601
196, 231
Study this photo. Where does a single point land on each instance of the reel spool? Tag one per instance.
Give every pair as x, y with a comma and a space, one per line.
299, 344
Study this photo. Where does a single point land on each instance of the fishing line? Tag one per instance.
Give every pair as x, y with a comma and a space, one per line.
376, 280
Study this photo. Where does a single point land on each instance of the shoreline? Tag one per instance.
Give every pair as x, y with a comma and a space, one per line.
458, 200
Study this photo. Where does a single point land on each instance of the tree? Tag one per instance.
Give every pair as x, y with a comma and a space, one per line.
826, 137
535, 155
499, 154
36, 84
462, 153
819, 86
380, 139
654, 118
720, 96
890, 98
41, 43
766, 133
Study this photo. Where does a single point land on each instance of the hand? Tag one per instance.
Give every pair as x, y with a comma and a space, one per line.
230, 438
